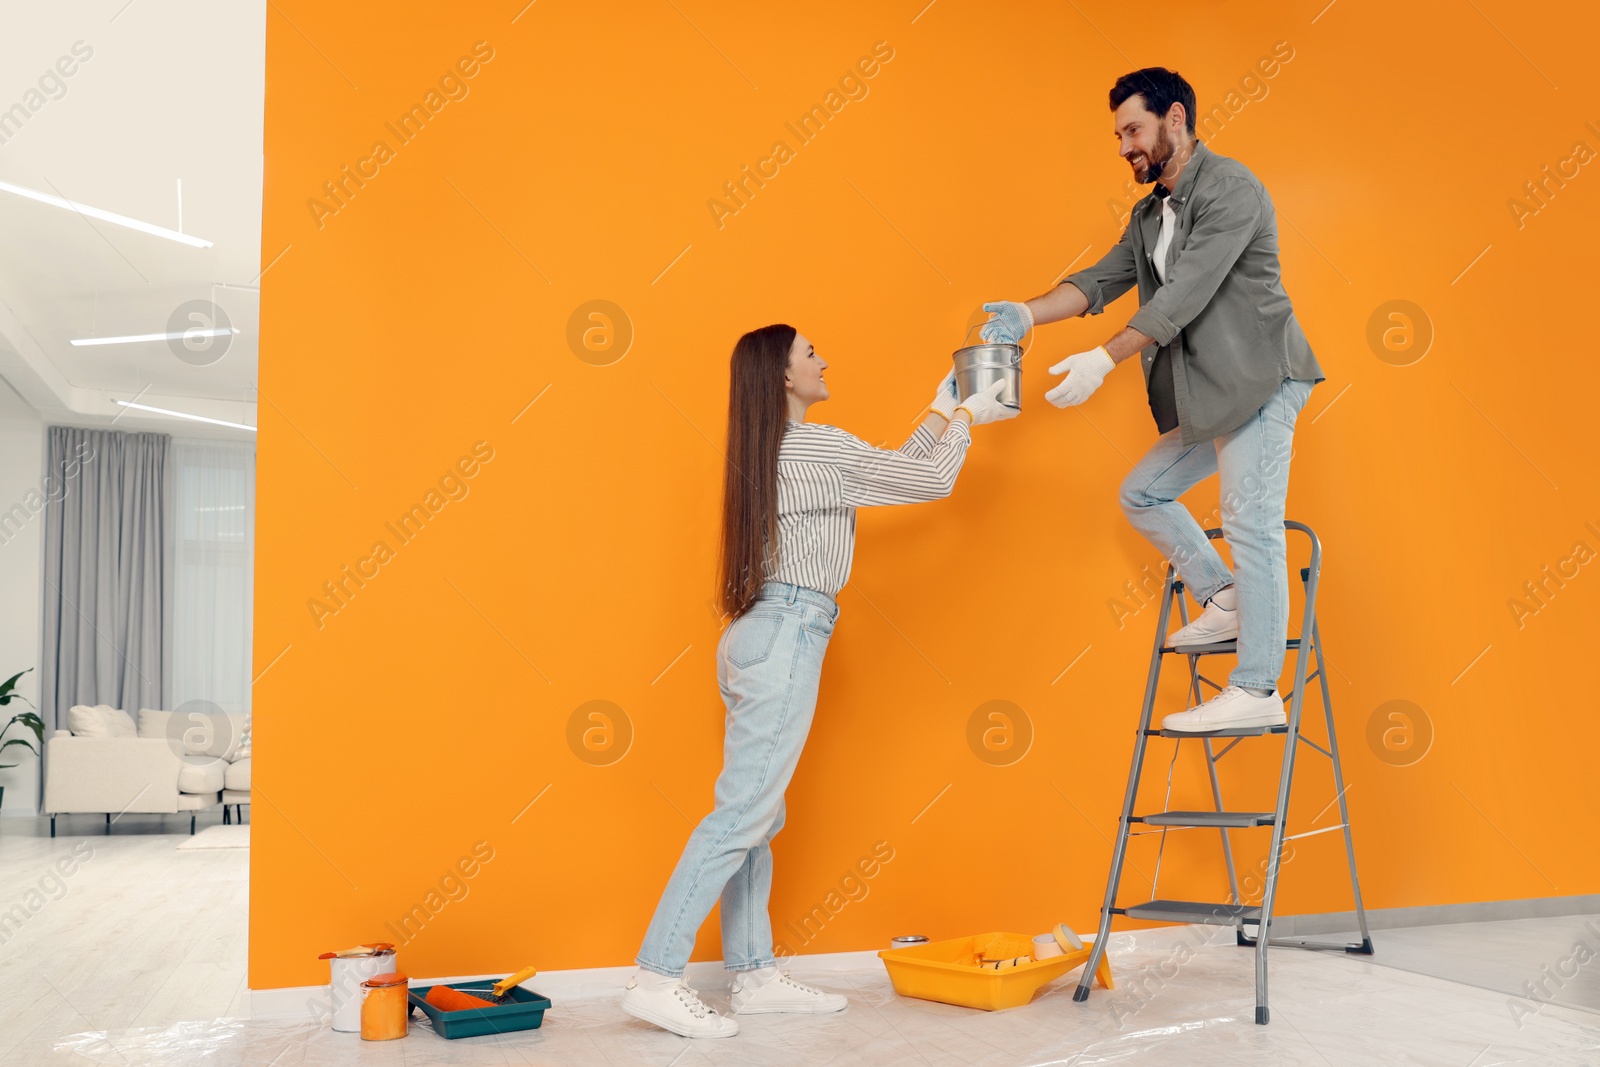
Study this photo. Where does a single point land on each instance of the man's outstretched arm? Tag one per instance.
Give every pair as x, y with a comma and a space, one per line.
1066, 301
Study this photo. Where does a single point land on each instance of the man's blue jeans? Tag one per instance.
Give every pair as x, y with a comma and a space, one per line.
1253, 461
769, 665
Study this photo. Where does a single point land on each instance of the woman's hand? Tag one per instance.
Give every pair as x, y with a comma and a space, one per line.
944, 400
984, 406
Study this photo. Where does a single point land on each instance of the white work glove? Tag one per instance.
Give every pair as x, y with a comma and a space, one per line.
1084, 373
1008, 324
944, 399
984, 405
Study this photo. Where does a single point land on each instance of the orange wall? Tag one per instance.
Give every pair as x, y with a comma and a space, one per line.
410, 329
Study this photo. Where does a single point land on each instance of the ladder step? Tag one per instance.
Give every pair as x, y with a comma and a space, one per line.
1231, 731
1239, 819
1191, 911
1218, 648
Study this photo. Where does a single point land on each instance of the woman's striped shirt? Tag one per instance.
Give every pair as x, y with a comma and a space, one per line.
825, 473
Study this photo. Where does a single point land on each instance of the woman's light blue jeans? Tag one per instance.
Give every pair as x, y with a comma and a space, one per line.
1253, 461
769, 664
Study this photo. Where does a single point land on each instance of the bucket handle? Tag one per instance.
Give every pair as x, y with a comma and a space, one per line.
985, 322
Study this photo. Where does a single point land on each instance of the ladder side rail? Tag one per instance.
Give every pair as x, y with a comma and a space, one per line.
1365, 948
1286, 775
1141, 736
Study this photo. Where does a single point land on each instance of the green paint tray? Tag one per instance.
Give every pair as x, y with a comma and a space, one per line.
523, 1010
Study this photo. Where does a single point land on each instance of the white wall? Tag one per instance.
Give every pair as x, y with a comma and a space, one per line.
21, 473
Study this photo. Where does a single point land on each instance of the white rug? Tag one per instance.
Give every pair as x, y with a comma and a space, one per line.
219, 837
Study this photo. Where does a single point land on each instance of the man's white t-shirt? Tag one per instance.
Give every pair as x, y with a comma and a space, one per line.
1168, 223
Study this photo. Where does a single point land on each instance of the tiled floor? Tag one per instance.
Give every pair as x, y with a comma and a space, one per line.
97, 974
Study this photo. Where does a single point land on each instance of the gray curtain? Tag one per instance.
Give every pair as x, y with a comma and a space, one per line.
106, 577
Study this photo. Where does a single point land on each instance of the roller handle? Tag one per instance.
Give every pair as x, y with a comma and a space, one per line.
510, 980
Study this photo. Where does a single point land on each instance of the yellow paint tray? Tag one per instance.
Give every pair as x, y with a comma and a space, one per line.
950, 971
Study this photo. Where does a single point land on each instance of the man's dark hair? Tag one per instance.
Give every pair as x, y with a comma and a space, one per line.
1160, 88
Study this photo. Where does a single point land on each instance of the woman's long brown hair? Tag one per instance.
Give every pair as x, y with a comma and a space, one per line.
757, 416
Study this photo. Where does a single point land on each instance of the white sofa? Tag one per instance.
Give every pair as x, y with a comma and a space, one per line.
236, 785
108, 764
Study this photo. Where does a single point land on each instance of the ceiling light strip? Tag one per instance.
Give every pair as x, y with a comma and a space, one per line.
105, 216
184, 415
219, 331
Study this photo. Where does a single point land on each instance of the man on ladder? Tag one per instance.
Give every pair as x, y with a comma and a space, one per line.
1227, 369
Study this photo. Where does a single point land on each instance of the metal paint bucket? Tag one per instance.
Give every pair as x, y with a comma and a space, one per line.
980, 366
347, 971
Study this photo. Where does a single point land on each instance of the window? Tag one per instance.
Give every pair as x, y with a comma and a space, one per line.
213, 541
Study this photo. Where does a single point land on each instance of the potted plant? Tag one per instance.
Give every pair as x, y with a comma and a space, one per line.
29, 720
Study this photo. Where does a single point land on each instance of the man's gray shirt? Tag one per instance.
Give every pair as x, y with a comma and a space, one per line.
1222, 319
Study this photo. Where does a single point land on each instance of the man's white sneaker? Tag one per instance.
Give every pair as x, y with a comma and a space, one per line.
783, 994
1231, 707
678, 1008
1211, 626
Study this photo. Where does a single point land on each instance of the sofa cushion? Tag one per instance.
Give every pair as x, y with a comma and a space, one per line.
85, 720
153, 723
201, 774
238, 775
199, 732
239, 741
99, 720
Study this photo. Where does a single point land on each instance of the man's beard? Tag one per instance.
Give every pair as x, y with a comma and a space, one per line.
1156, 162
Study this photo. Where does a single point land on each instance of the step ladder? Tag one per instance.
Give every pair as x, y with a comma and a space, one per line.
1234, 912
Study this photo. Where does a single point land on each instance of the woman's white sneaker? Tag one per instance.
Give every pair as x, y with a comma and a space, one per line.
782, 994
678, 1008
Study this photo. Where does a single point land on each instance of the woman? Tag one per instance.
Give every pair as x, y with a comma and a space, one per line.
788, 533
